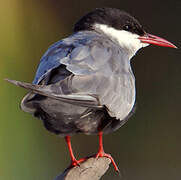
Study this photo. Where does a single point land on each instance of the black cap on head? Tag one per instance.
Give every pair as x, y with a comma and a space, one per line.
112, 17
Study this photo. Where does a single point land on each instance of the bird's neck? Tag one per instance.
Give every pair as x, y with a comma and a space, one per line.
126, 40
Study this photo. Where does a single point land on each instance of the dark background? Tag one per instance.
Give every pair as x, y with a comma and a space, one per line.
147, 147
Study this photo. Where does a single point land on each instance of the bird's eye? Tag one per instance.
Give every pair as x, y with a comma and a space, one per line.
127, 27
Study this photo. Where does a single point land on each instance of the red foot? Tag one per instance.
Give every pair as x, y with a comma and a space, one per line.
77, 162
103, 154
74, 162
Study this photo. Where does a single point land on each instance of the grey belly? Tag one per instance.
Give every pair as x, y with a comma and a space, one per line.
66, 119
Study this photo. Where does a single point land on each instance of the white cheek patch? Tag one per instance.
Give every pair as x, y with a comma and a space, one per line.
125, 39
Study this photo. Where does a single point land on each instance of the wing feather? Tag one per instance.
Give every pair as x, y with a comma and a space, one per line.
82, 53
48, 91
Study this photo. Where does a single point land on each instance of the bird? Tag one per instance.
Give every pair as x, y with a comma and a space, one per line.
84, 83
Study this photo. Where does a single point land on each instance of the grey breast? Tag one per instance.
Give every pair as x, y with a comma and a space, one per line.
84, 64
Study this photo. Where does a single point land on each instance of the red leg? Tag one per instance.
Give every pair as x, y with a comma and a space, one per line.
101, 152
74, 161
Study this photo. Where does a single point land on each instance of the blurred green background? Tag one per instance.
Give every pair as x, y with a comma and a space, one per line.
147, 147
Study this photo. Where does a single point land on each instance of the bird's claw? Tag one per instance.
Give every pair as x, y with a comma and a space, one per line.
103, 154
77, 162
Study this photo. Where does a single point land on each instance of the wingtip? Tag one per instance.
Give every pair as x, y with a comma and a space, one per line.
11, 81
18, 83
6, 79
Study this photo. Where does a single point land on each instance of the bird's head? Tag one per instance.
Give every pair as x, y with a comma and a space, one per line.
120, 27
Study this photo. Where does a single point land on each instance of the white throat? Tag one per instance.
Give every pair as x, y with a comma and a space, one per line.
127, 40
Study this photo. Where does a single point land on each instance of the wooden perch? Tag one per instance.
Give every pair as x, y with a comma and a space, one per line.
91, 169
